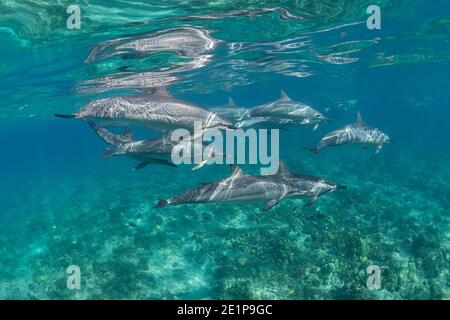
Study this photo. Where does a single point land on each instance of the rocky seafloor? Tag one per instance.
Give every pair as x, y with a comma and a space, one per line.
395, 214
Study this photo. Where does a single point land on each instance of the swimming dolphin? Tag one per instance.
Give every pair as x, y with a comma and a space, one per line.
283, 111
157, 110
243, 187
230, 110
234, 114
157, 150
357, 133
185, 41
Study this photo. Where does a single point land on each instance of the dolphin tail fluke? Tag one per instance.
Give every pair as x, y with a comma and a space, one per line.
162, 203
65, 116
314, 150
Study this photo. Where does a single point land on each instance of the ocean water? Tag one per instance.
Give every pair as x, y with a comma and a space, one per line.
62, 203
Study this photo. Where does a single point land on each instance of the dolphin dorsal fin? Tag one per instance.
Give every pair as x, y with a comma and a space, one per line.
359, 120
236, 171
231, 102
284, 96
283, 169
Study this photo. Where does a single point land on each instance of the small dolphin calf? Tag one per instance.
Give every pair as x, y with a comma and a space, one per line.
158, 150
243, 187
158, 110
283, 111
357, 133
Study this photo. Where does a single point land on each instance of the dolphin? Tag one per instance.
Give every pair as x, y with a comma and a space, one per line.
185, 41
283, 111
240, 187
357, 133
157, 150
230, 110
157, 110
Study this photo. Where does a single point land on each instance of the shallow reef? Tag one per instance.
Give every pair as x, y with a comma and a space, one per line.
394, 216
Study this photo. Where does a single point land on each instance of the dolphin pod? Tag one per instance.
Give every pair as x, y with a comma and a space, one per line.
157, 109
241, 187
157, 150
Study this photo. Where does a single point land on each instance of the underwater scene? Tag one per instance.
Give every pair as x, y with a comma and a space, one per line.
344, 188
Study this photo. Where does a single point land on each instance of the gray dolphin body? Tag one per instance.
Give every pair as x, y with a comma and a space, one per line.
230, 110
357, 133
158, 150
241, 187
186, 41
157, 110
283, 111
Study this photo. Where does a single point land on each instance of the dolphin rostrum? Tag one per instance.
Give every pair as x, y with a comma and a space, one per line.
283, 111
157, 110
240, 187
357, 133
157, 150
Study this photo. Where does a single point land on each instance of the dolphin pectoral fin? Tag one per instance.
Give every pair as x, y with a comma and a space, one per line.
379, 147
162, 203
315, 127
141, 165
162, 162
108, 154
311, 201
313, 150
200, 165
270, 204
65, 116
168, 163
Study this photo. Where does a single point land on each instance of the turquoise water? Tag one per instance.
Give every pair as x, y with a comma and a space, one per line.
63, 204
